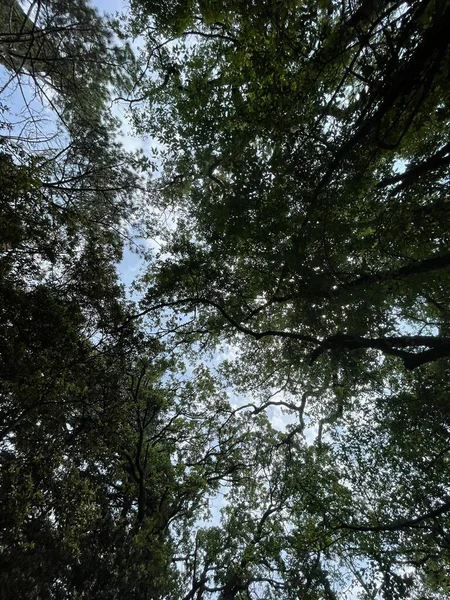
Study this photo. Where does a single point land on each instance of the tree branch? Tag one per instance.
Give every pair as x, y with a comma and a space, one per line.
401, 523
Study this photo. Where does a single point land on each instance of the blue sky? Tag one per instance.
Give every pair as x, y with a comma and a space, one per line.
110, 6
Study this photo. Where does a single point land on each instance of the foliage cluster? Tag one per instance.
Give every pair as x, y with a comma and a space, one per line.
304, 156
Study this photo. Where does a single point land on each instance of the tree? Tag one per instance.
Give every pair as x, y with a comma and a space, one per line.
309, 195
108, 454
305, 156
64, 63
65, 54
73, 519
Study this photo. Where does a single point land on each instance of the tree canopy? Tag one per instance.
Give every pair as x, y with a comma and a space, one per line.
271, 418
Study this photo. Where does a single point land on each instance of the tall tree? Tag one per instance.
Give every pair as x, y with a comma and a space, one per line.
66, 52
73, 516
286, 127
305, 155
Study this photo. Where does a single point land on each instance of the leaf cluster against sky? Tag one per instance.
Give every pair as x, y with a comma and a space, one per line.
295, 223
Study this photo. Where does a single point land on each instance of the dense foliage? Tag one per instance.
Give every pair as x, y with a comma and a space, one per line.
305, 153
272, 420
